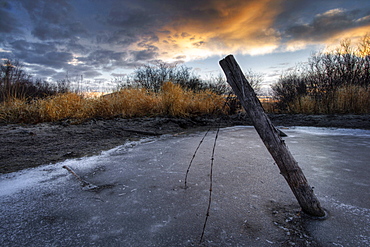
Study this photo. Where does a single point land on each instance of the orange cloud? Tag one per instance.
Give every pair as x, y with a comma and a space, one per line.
236, 26
354, 34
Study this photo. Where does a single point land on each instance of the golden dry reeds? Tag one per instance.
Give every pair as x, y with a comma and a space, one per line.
177, 101
172, 100
61, 106
127, 103
353, 99
350, 99
19, 111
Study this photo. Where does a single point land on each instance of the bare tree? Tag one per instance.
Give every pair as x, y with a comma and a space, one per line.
15, 82
255, 80
324, 74
152, 77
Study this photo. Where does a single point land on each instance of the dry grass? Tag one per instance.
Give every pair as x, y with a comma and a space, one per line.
16, 110
179, 102
347, 99
171, 100
353, 99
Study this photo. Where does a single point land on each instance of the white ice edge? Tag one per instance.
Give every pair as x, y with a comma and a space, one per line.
15, 182
331, 131
328, 131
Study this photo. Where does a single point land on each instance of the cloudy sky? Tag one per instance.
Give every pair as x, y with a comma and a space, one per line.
103, 39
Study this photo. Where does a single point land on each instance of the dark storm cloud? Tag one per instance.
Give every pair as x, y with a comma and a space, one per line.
325, 25
125, 18
75, 47
42, 71
144, 55
53, 19
127, 22
8, 24
24, 49
56, 11
40, 53
120, 37
302, 20
49, 31
92, 36
53, 59
296, 12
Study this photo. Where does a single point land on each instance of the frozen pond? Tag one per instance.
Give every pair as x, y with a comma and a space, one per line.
144, 202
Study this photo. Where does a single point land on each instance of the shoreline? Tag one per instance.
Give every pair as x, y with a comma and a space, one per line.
26, 146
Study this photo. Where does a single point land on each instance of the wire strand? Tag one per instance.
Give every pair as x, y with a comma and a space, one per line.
210, 186
191, 161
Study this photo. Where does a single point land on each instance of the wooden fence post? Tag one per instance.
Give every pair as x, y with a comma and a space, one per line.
285, 161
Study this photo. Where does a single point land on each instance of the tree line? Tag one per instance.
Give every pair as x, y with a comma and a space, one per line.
15, 82
336, 81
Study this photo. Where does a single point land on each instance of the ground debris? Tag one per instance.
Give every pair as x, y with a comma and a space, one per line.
87, 185
290, 220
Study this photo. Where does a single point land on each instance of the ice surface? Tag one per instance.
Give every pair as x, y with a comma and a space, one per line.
148, 206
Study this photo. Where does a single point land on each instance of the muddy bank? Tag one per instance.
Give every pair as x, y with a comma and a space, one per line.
25, 146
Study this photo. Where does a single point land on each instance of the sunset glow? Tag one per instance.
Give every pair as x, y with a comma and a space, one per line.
101, 39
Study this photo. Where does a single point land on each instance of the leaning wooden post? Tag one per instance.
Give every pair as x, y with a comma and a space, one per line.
288, 166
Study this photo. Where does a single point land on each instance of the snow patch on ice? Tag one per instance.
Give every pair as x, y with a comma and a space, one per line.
26, 179
54, 174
